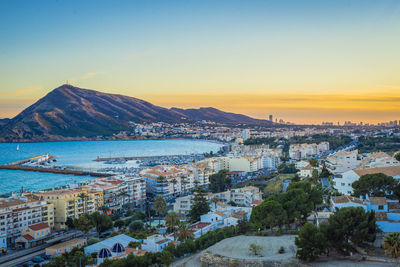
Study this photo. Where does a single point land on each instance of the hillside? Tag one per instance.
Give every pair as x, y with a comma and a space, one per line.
69, 112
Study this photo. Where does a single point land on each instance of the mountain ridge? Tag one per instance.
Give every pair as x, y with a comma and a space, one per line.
70, 113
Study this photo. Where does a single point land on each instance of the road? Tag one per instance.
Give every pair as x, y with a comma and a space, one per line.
22, 256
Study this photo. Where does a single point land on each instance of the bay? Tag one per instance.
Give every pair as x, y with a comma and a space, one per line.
80, 155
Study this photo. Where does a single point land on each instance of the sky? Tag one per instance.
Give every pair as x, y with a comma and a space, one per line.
301, 61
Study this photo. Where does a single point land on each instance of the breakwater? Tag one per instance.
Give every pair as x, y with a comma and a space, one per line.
53, 170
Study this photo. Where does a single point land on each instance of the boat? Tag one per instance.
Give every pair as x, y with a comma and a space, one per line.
17, 147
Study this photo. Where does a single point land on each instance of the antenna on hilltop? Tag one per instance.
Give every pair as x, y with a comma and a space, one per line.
67, 83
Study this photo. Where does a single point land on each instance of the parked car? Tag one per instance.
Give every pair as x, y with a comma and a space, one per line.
37, 259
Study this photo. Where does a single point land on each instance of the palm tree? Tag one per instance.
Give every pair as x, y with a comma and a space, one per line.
104, 209
184, 233
174, 182
215, 201
160, 207
123, 194
391, 244
84, 197
172, 221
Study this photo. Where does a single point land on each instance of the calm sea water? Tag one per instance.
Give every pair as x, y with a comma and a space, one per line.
80, 154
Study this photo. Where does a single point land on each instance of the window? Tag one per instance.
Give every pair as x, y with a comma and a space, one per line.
380, 207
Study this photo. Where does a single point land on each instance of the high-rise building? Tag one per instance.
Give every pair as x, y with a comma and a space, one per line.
271, 118
245, 134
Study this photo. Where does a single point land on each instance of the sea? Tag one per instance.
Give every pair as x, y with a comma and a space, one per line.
81, 155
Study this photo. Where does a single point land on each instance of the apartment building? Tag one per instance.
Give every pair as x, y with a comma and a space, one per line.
301, 151
201, 171
241, 196
343, 182
71, 203
168, 180
20, 211
342, 161
376, 160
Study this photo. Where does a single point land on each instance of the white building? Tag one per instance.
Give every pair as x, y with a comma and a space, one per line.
342, 161
156, 243
376, 160
19, 212
302, 151
343, 182
245, 134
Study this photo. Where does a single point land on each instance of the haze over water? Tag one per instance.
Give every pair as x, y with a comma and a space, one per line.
81, 154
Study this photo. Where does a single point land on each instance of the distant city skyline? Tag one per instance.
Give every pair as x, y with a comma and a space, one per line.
302, 61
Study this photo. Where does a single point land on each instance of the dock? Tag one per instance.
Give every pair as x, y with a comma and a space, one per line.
53, 170
134, 158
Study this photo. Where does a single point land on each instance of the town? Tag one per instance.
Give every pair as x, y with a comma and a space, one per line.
291, 184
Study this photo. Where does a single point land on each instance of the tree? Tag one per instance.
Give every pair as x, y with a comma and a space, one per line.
397, 156
313, 162
310, 242
351, 225
291, 168
119, 223
136, 226
219, 181
122, 194
184, 233
324, 172
101, 221
160, 207
200, 206
174, 182
374, 185
84, 223
391, 244
269, 213
70, 223
315, 175
255, 249
172, 221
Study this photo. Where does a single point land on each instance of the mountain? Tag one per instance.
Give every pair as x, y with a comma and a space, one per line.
69, 113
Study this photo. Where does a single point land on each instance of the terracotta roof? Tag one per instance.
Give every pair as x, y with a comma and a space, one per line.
308, 167
393, 205
381, 216
200, 225
28, 237
239, 215
38, 226
163, 241
377, 200
390, 171
346, 199
256, 202
220, 213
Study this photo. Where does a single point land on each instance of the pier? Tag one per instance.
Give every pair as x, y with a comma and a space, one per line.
135, 158
53, 170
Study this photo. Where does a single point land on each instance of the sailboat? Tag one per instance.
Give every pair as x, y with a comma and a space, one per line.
17, 147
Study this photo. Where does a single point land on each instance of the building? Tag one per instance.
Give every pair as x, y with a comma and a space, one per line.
343, 182
387, 211
307, 171
303, 151
3, 242
71, 203
245, 134
34, 235
168, 180
66, 246
271, 118
376, 160
342, 161
156, 243
108, 243
241, 196
20, 211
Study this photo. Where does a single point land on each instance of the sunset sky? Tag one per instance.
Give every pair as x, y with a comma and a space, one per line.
302, 61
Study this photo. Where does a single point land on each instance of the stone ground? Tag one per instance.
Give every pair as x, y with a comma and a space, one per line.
238, 248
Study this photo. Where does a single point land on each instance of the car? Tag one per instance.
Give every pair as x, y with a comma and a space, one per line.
27, 264
47, 257
37, 259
